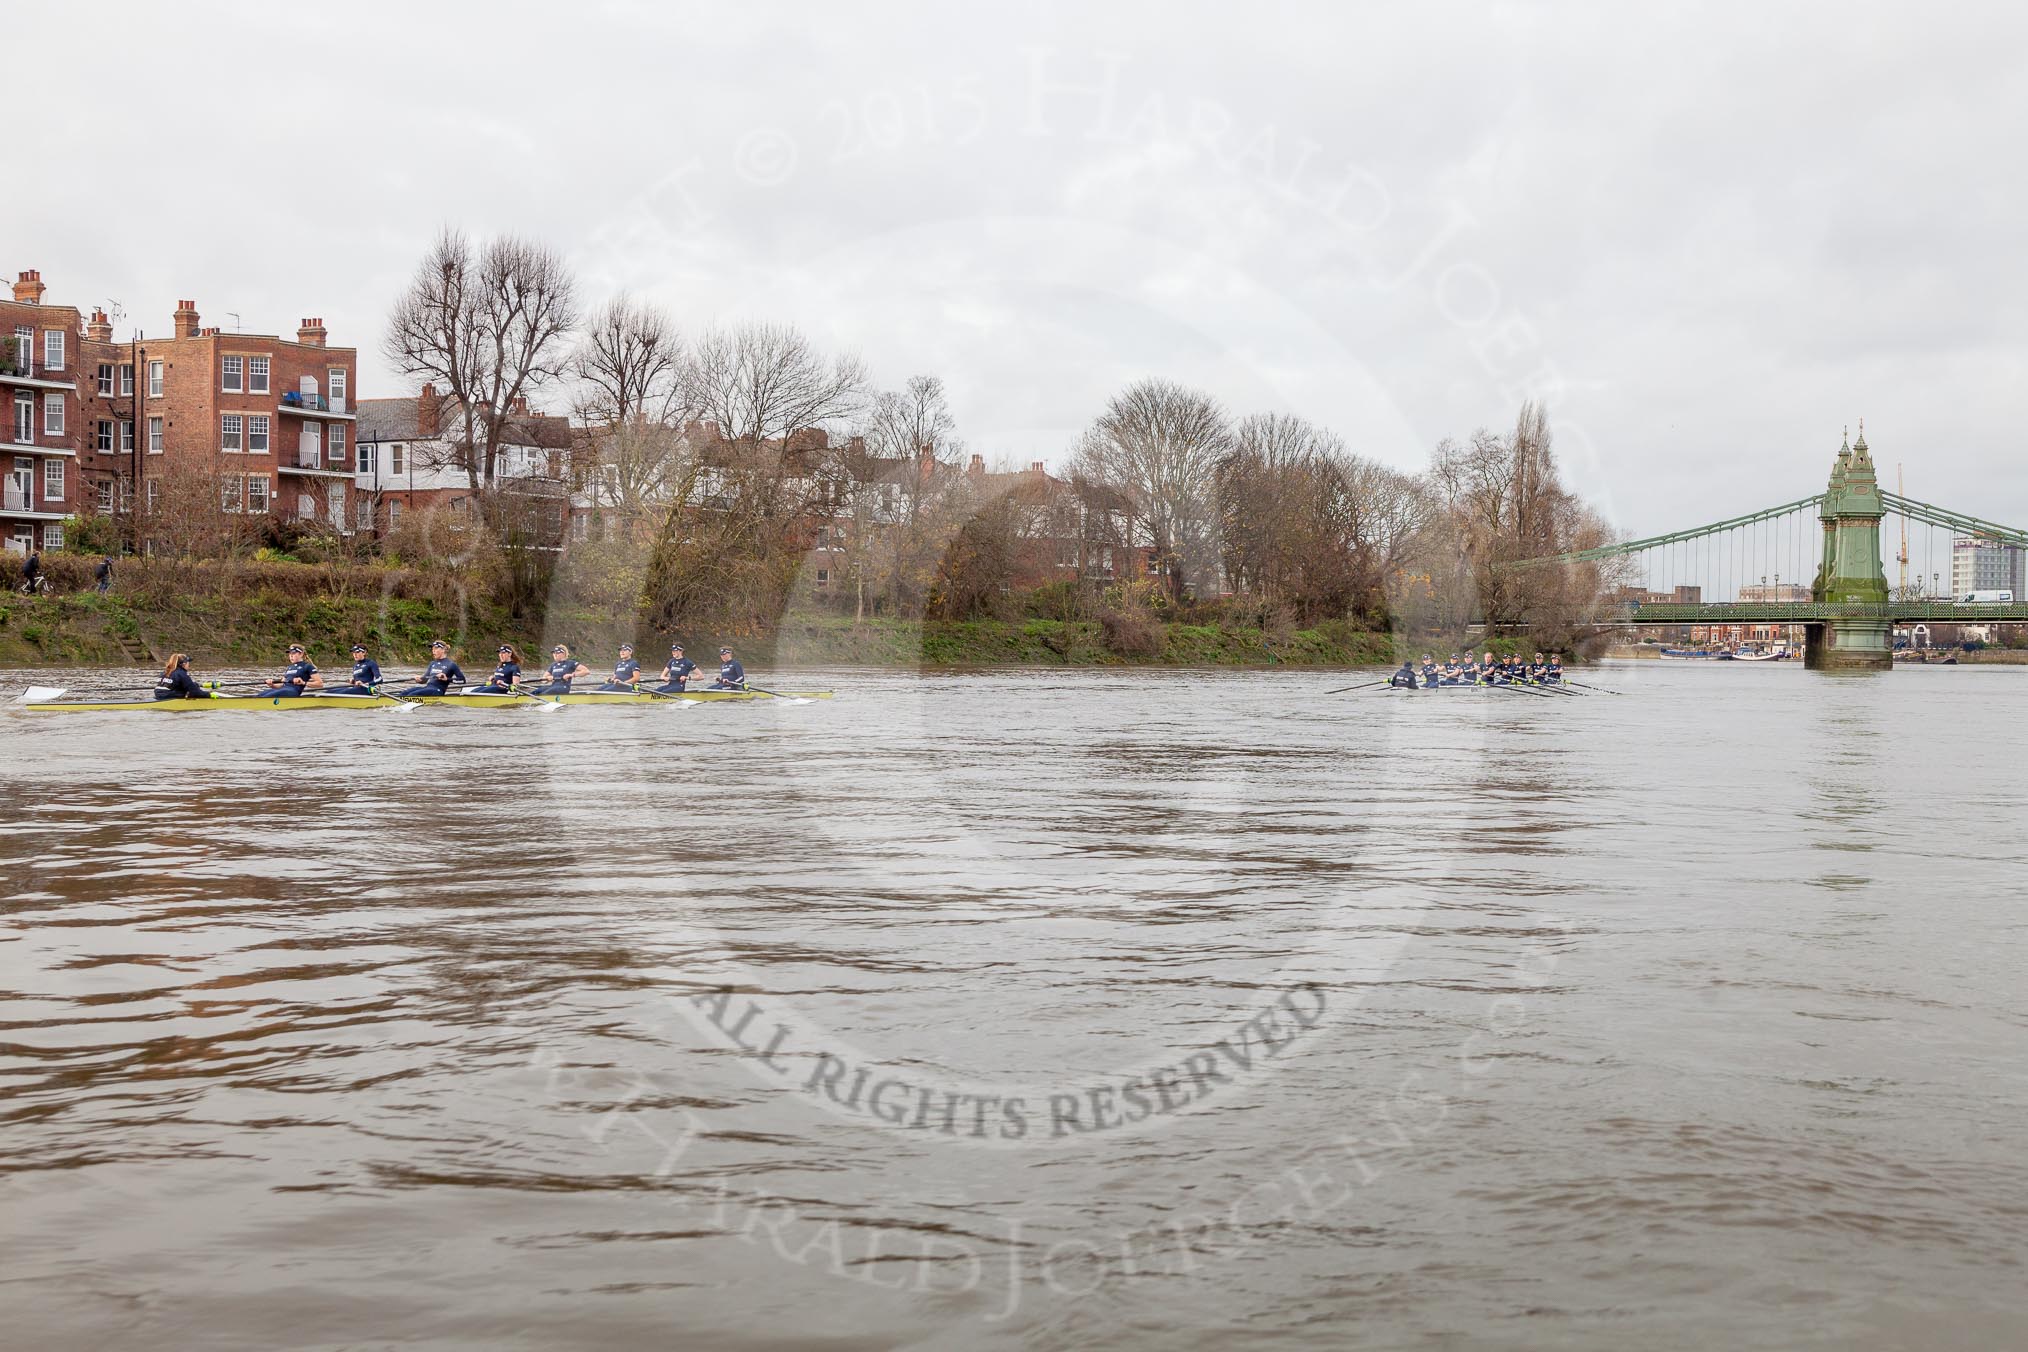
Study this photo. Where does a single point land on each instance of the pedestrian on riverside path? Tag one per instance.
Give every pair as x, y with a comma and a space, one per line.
104, 574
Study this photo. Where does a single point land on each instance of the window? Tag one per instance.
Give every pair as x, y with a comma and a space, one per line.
310, 447
335, 447
106, 379
106, 496
229, 434
52, 414
154, 380
52, 480
231, 371
394, 458
52, 535
52, 349
154, 494
257, 434
127, 435
154, 438
257, 375
102, 436
24, 418
365, 513
335, 385
823, 577
126, 378
368, 456
306, 507
257, 492
228, 490
393, 515
580, 527
24, 350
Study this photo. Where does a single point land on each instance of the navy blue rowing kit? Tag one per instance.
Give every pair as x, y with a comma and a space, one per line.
625, 673
180, 684
674, 675
365, 676
437, 680
295, 678
731, 676
561, 671
1404, 679
501, 682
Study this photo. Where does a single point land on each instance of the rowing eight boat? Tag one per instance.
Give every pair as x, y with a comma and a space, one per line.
299, 703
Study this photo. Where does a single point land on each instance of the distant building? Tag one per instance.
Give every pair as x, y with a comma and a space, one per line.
1775, 591
1988, 565
408, 462
43, 428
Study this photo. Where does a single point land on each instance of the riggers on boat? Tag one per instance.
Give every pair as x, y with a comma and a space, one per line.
49, 701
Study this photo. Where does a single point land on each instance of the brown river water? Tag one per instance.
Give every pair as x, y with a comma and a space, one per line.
1026, 1010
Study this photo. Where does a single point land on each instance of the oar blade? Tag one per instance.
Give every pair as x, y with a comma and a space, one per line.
40, 694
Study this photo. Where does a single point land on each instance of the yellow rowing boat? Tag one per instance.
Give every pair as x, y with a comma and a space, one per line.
259, 703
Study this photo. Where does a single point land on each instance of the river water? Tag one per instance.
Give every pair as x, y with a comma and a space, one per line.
1030, 1010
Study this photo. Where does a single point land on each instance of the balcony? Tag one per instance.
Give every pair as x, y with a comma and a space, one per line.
308, 463
13, 447
313, 406
15, 503
22, 375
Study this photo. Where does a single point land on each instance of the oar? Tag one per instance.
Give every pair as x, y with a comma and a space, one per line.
674, 696
1597, 688
791, 699
40, 694
1343, 689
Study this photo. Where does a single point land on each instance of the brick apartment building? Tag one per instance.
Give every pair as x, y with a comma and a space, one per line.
268, 421
39, 384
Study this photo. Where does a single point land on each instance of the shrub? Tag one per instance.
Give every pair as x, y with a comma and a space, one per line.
1130, 633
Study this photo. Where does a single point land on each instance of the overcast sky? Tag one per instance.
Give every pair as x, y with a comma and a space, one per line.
1710, 238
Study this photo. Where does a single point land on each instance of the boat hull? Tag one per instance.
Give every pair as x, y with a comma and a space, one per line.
304, 703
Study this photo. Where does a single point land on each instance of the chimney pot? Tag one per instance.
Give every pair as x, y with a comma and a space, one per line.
311, 333
28, 287
186, 319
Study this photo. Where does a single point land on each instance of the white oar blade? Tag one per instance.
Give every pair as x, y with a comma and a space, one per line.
40, 694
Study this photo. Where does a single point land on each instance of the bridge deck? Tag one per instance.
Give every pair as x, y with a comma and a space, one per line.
1812, 612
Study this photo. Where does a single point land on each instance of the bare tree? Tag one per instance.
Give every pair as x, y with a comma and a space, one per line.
1160, 444
628, 365
913, 431
759, 383
488, 327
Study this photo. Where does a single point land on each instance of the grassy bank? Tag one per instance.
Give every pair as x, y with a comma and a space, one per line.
246, 613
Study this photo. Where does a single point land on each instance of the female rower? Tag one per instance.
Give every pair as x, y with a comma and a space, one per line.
177, 682
563, 669
366, 676
1428, 672
676, 673
626, 672
1405, 679
1552, 671
731, 675
505, 676
1453, 673
1490, 673
442, 671
299, 677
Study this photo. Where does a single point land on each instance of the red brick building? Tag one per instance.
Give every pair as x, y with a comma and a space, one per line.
39, 472
265, 420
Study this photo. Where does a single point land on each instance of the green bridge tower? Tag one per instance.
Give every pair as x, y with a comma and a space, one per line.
1851, 573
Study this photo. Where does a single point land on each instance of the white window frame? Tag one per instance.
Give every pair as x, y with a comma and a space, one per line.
23, 399
126, 436
155, 437
102, 436
24, 348
105, 497
106, 379
52, 535
257, 426
232, 373
310, 446
232, 433
368, 461
154, 495
155, 378
52, 480
394, 459
337, 386
306, 507
52, 414
229, 489
257, 487
334, 445
393, 514
52, 349
127, 378
257, 375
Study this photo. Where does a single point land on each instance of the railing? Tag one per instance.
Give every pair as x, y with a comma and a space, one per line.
309, 403
14, 500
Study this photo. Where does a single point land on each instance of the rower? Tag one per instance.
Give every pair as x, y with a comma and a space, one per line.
1453, 673
563, 669
1552, 671
299, 676
1489, 672
626, 672
731, 675
1469, 672
1405, 679
177, 682
366, 676
436, 680
506, 675
1429, 672
676, 673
